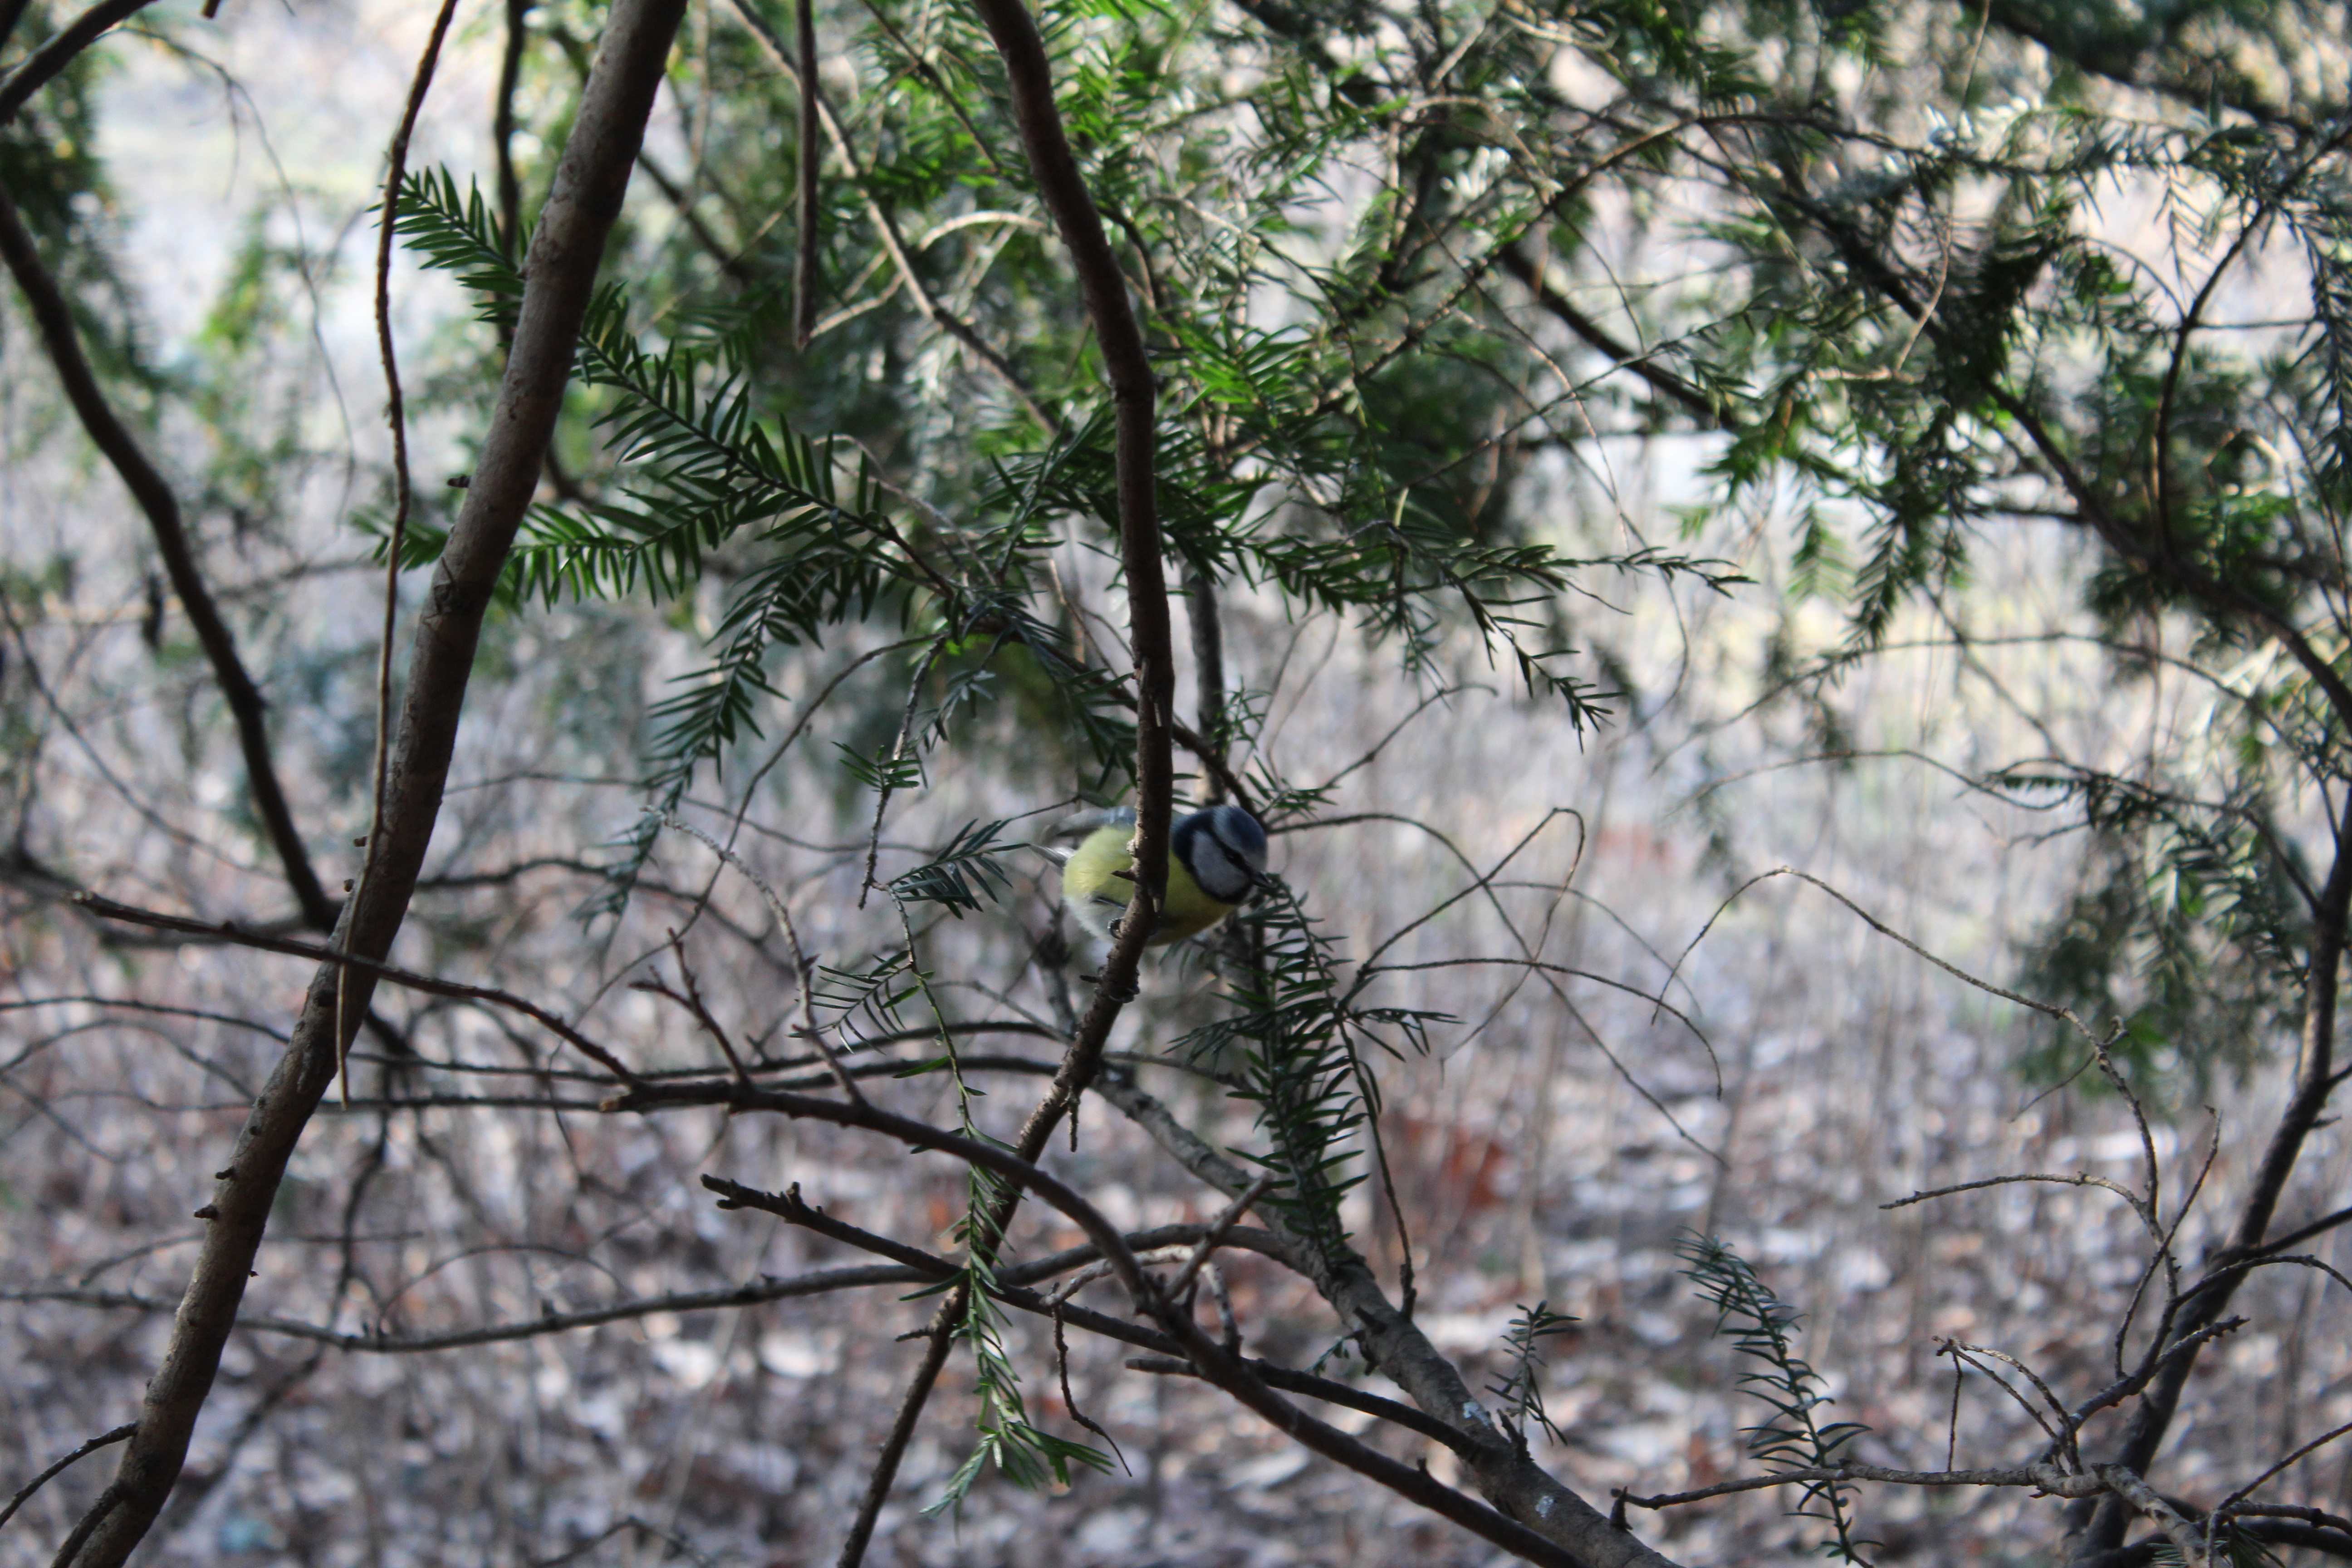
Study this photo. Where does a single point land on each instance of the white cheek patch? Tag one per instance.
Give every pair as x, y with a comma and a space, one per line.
1221, 876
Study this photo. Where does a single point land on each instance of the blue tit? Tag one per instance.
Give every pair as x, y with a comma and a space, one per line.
1214, 858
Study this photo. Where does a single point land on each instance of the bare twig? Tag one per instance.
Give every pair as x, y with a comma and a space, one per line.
2079, 1179
800, 956
1070, 1400
1181, 1285
1213, 1363
2243, 1492
2124, 1388
1014, 1283
38, 1482
396, 413
2041, 1476
691, 1000
817, 1283
374, 968
669, 1538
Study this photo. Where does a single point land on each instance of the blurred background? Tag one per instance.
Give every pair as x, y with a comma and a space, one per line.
1559, 1135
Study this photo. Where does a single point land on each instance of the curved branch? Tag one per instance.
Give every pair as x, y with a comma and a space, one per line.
54, 318
1396, 1346
1121, 341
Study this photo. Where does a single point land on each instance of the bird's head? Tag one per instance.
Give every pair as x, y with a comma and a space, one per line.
1224, 848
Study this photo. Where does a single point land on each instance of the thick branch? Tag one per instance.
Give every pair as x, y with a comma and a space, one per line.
560, 276
1121, 339
1208, 674
1064, 191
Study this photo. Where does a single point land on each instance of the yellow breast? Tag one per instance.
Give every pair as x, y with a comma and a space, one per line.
1097, 894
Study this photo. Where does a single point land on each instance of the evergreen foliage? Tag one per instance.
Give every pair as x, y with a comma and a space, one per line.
1764, 1327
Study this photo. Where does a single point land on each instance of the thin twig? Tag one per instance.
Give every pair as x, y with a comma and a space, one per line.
691, 1000
800, 957
396, 414
2079, 1179
431, 984
38, 1482
1070, 1400
1182, 1284
2124, 1388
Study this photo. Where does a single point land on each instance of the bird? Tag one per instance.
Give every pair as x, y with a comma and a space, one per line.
1216, 856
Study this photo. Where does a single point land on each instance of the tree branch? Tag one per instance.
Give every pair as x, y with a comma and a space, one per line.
54, 318
374, 968
1214, 1363
559, 277
1121, 339
43, 65
102, 1440
1395, 1345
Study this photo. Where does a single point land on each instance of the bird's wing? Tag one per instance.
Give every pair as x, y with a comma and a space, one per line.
1081, 824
